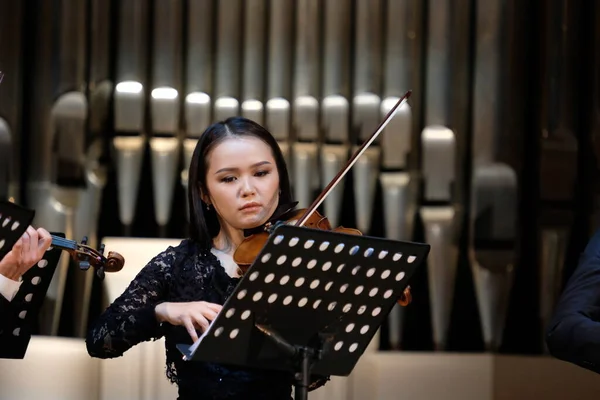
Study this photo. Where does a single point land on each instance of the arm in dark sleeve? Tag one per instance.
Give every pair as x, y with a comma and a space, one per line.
131, 319
574, 331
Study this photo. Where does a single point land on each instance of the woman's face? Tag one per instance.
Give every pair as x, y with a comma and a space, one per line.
243, 182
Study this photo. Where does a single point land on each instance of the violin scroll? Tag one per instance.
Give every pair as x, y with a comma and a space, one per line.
86, 257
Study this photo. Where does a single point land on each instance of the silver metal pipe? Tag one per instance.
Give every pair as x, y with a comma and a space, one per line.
368, 54
398, 184
438, 216
491, 251
165, 105
229, 56
401, 45
99, 96
366, 105
199, 81
253, 81
439, 148
279, 63
67, 132
559, 151
493, 185
305, 104
129, 104
553, 251
281, 29
365, 114
335, 107
10, 100
40, 151
437, 75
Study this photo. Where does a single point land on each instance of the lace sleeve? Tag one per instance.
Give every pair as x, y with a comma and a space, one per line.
130, 319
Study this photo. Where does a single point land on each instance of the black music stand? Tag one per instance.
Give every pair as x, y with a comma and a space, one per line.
14, 221
310, 304
20, 315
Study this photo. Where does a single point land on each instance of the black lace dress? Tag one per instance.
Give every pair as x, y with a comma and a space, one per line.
181, 274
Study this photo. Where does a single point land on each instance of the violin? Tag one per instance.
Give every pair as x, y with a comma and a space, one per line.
309, 217
87, 257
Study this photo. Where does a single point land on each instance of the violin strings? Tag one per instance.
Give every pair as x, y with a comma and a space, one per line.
58, 241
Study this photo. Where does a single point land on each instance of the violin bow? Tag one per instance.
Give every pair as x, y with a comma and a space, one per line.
352, 160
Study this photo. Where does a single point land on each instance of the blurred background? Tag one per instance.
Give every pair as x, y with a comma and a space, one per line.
494, 161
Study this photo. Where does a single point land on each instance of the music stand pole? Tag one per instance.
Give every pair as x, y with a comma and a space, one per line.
310, 303
304, 357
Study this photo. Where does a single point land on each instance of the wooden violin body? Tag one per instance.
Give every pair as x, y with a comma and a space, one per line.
249, 249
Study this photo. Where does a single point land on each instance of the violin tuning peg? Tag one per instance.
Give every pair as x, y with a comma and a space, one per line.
84, 240
101, 250
100, 273
84, 265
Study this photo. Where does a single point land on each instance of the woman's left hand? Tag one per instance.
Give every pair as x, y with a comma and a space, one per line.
26, 252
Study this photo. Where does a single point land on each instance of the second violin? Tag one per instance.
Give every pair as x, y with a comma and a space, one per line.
87, 257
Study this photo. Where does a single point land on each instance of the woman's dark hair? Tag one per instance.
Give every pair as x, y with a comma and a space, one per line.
204, 224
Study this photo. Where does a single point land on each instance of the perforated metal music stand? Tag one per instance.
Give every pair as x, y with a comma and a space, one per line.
25, 307
310, 304
14, 221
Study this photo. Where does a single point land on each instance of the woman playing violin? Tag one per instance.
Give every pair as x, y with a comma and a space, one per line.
238, 181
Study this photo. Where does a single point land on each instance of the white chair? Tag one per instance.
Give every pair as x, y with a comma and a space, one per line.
139, 373
54, 368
